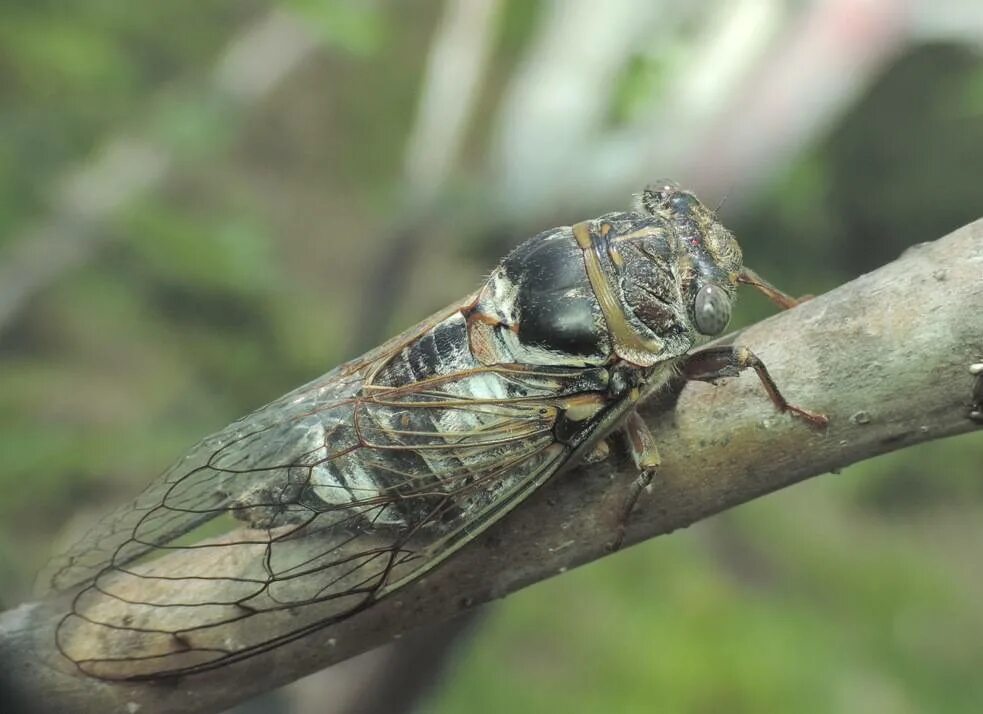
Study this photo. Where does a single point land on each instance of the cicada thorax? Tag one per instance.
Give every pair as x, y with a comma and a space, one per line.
541, 297
604, 289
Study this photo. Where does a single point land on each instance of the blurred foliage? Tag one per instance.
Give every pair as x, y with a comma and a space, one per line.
354, 27
71, 72
244, 275
818, 624
902, 166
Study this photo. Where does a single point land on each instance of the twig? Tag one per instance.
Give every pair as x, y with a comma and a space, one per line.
886, 356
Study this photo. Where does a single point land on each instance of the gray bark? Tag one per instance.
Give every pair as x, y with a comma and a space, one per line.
885, 356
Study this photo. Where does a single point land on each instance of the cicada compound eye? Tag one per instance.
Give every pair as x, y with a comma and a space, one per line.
711, 310
656, 196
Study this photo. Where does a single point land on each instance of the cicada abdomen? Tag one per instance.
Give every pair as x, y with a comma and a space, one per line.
319, 504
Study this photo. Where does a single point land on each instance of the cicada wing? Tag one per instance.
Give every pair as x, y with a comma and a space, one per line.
250, 456
240, 596
302, 514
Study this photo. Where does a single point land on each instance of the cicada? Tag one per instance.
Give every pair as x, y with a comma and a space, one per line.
336, 495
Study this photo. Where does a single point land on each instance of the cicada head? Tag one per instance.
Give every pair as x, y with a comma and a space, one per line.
665, 275
706, 261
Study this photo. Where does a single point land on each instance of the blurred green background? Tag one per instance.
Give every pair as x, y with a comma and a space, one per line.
203, 205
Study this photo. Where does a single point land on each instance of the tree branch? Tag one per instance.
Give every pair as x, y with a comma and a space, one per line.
886, 356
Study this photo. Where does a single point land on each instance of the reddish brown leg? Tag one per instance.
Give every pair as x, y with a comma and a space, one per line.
783, 300
641, 446
717, 362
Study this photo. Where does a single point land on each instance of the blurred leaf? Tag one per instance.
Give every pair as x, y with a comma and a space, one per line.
972, 101
354, 26
194, 126
215, 252
54, 53
638, 85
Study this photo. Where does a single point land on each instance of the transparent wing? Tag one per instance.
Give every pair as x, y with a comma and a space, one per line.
306, 512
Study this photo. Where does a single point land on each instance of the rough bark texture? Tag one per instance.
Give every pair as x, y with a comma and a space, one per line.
886, 356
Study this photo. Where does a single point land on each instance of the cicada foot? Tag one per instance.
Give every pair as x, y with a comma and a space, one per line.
976, 407
716, 363
645, 455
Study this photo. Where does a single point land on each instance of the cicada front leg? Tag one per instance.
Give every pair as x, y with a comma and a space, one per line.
708, 365
716, 363
782, 299
976, 408
645, 455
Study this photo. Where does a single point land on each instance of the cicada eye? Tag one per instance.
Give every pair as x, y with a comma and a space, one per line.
712, 310
656, 196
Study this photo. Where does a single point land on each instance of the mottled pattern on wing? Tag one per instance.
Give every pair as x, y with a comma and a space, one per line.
308, 510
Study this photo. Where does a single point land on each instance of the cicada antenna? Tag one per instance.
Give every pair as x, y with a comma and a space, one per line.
721, 203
